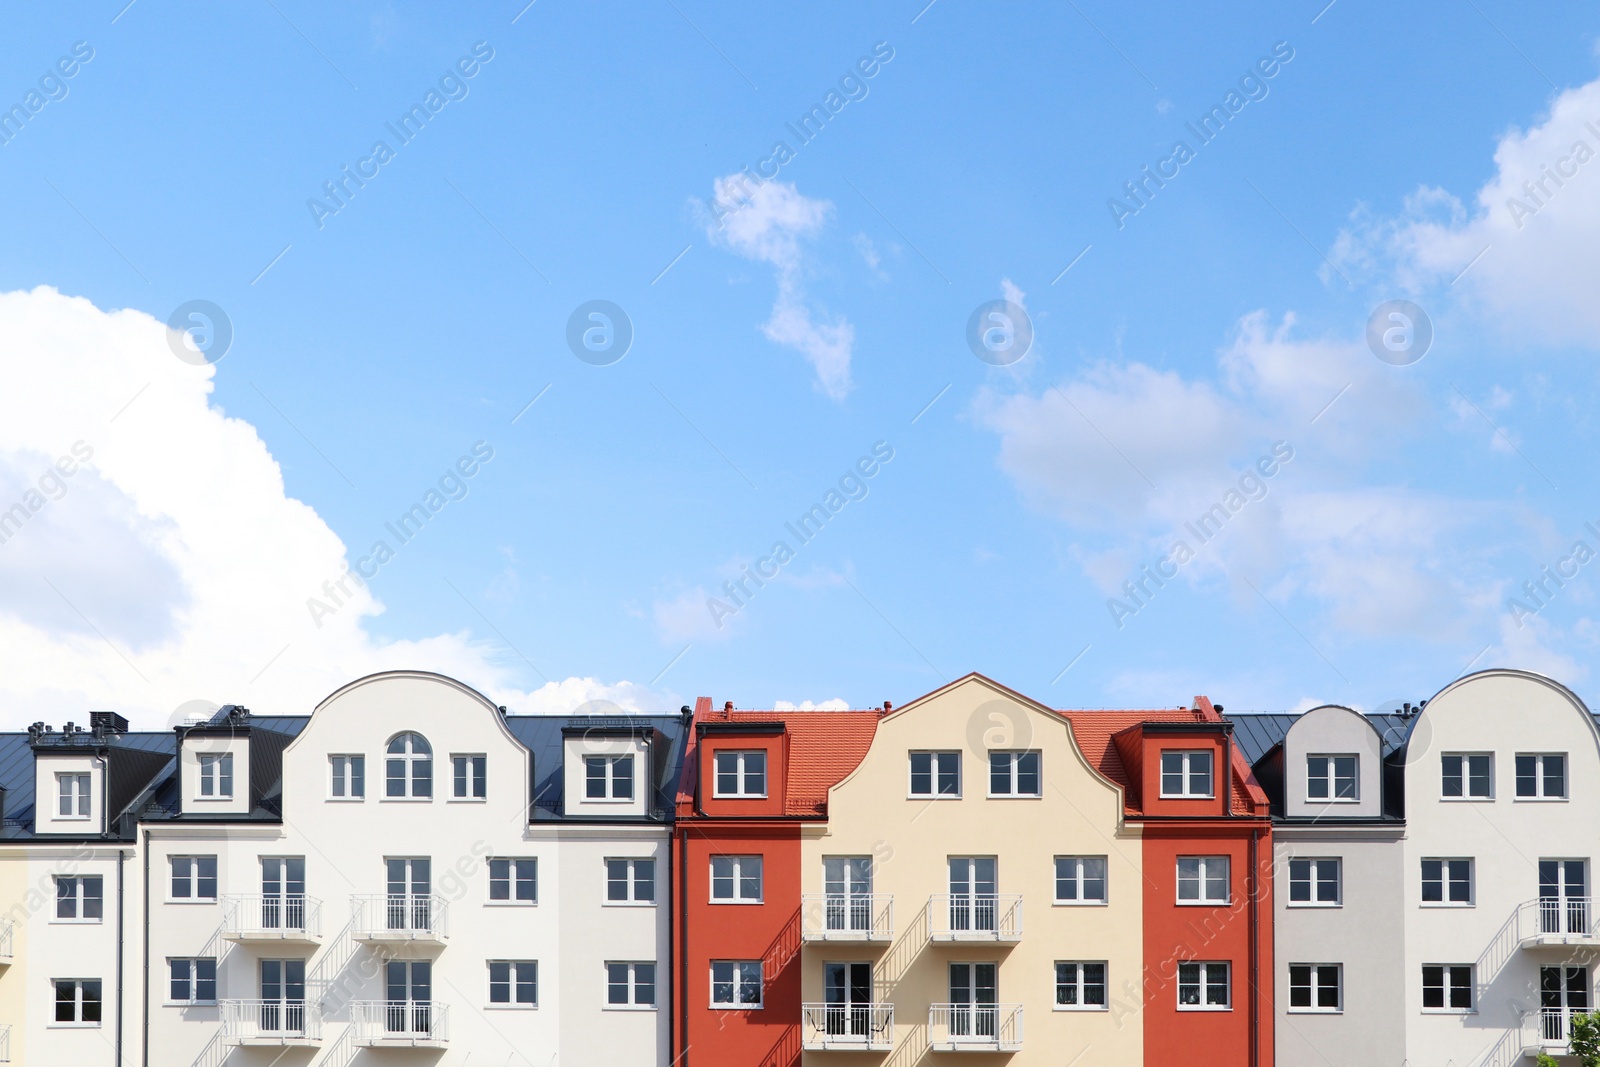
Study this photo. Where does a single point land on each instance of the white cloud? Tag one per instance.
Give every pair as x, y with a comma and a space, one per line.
174, 567
767, 224
836, 704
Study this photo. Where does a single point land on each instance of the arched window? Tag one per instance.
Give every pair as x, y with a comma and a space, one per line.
409, 772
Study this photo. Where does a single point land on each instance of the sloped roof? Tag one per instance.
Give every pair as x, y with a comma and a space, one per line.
1094, 731
542, 735
824, 747
1258, 731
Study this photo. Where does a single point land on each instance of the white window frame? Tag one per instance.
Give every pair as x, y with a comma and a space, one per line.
631, 970
1449, 975
75, 793
78, 1000
513, 877
1204, 983
192, 964
1467, 795
513, 979
629, 881
1445, 881
342, 779
1186, 758
471, 770
80, 899
934, 759
216, 770
1078, 876
1080, 985
611, 762
1539, 795
736, 872
414, 763
1314, 865
741, 759
1203, 871
1330, 777
193, 877
1313, 986
740, 979
1014, 774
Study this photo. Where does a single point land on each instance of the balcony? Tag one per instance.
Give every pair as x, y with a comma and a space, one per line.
401, 1023
380, 918
8, 930
847, 1027
979, 917
975, 1027
841, 917
284, 917
271, 1022
1566, 921
5, 1042
1548, 1030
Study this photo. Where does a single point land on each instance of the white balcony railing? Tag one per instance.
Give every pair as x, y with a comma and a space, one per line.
1558, 921
844, 917
271, 1022
5, 1042
1548, 1030
862, 1027
422, 1023
8, 930
267, 917
975, 1027
399, 917
975, 917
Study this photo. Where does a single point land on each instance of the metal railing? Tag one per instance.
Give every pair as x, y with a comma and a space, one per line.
401, 917
975, 917
262, 1022
5, 1042
8, 930
975, 1027
847, 1026
1549, 1029
1558, 920
846, 917
271, 917
401, 1022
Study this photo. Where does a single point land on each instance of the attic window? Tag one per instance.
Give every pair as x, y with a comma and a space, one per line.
216, 775
72, 792
1187, 774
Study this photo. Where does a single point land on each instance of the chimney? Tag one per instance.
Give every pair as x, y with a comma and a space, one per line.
107, 722
727, 709
888, 706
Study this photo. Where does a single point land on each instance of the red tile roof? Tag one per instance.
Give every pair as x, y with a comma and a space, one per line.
824, 747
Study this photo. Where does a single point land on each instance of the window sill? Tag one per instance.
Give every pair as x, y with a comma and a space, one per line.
188, 1004
1540, 800
511, 1007
346, 800
511, 903
1314, 904
76, 922
1329, 802
1449, 1011
1197, 1007
1466, 800
933, 796
735, 1007
627, 1007
1081, 903
405, 800
1316, 1011
1188, 796
191, 900
1456, 906
738, 796
1204, 903
608, 800
1015, 796
467, 800
1080, 1007
749, 903
72, 1026
627, 903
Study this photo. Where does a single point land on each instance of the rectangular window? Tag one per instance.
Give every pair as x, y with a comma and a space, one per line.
608, 777
1316, 987
1080, 986
1203, 987
1542, 776
1447, 882
72, 794
1080, 879
1014, 774
1447, 987
1203, 880
77, 1001
741, 774
630, 881
216, 775
630, 985
736, 879
514, 881
80, 899
194, 981
736, 983
349, 777
1468, 775
194, 878
471, 777
1187, 774
514, 983
1332, 778
936, 774
1315, 883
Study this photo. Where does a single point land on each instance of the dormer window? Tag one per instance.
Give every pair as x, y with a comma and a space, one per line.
72, 791
1187, 775
408, 772
216, 775
741, 774
608, 777
1331, 778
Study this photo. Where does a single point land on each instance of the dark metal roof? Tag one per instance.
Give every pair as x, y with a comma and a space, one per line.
1257, 732
135, 758
543, 736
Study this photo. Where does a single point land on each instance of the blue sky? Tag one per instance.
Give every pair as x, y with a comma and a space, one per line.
374, 346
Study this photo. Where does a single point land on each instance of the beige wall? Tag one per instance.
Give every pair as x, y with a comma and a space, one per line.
1080, 813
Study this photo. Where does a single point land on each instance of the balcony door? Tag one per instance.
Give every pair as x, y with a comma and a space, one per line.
1564, 896
283, 996
1563, 993
847, 881
283, 892
847, 987
972, 902
973, 995
410, 894
408, 987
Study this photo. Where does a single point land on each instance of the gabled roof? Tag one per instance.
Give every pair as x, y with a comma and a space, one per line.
542, 736
134, 760
1096, 733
